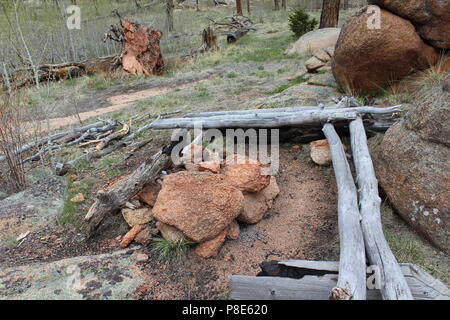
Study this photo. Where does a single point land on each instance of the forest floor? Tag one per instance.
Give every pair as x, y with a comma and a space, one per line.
253, 73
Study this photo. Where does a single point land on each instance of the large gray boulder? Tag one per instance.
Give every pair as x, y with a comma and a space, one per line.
412, 165
314, 41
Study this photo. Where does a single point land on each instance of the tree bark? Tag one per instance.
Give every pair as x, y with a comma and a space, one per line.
283, 4
330, 14
239, 7
277, 5
118, 194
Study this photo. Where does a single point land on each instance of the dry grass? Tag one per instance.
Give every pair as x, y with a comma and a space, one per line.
11, 139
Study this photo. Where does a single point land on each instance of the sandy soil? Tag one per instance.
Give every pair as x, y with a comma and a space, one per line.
300, 225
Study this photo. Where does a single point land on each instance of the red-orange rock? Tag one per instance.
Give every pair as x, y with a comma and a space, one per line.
246, 174
211, 166
257, 204
210, 248
149, 194
200, 204
129, 236
367, 60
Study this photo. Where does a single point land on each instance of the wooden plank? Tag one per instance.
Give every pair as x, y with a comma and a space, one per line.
318, 287
352, 260
393, 284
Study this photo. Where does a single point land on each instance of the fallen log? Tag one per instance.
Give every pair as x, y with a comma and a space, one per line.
393, 284
351, 283
54, 72
234, 35
299, 109
271, 120
56, 136
114, 197
317, 278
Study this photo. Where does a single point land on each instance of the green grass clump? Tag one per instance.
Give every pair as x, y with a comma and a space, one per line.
166, 249
71, 214
287, 85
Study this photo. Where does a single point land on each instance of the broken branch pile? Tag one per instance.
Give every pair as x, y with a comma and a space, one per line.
237, 26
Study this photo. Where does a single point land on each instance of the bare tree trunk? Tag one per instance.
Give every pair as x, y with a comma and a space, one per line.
22, 38
277, 5
283, 4
169, 15
248, 8
197, 5
330, 14
346, 4
239, 7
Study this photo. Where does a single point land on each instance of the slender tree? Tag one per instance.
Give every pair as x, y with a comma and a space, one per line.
169, 15
248, 8
283, 4
330, 14
277, 5
239, 7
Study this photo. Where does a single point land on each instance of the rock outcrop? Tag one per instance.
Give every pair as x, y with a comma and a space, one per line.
370, 59
200, 204
315, 40
430, 17
413, 169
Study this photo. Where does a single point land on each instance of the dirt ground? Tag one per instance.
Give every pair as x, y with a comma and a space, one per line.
301, 225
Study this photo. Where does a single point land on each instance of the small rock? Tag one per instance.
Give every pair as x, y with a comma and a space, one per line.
170, 233
312, 64
233, 230
211, 166
322, 55
149, 194
138, 216
320, 152
141, 257
129, 236
257, 204
246, 174
210, 248
78, 198
145, 236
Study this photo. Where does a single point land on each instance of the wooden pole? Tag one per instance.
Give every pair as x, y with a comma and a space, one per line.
393, 285
351, 283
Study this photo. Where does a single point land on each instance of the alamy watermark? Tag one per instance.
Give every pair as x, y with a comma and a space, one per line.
73, 21
250, 144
